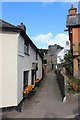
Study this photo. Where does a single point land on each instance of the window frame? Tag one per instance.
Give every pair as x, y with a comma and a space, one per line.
26, 48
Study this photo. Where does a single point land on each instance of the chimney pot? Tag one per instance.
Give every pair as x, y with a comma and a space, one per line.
72, 6
72, 10
21, 23
22, 26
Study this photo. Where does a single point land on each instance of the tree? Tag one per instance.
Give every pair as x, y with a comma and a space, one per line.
69, 62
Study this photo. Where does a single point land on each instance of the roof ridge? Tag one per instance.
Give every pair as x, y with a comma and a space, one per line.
6, 23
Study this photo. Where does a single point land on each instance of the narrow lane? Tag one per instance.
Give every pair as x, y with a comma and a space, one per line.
46, 103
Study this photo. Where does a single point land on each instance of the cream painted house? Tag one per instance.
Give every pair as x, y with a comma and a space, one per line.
20, 63
62, 53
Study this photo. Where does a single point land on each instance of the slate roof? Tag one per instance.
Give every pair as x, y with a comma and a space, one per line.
73, 20
7, 27
5, 24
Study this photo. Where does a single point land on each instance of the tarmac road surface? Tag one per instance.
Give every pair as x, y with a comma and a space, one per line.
46, 103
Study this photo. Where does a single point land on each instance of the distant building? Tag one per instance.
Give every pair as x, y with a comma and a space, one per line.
50, 58
73, 25
62, 53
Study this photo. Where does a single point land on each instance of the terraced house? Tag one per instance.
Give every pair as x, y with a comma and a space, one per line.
20, 63
73, 24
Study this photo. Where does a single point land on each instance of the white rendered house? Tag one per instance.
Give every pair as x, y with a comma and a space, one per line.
61, 53
20, 63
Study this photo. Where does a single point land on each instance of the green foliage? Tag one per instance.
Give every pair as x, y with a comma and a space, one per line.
73, 85
69, 62
73, 82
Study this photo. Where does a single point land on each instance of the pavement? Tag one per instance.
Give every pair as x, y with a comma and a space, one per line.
46, 103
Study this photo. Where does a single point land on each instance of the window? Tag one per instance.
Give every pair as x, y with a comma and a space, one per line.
26, 74
26, 48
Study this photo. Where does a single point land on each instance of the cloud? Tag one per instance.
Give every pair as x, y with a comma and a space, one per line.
44, 40
43, 37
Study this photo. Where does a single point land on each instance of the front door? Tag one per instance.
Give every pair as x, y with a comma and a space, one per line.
25, 79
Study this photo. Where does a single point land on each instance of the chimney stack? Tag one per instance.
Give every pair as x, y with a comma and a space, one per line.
72, 11
22, 26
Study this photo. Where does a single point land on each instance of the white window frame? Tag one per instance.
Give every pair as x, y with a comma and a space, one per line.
26, 49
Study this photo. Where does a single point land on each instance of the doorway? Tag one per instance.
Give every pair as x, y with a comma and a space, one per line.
33, 76
26, 74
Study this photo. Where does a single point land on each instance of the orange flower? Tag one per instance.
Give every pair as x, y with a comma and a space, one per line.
28, 89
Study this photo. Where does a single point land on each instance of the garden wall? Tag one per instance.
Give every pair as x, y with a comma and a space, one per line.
61, 83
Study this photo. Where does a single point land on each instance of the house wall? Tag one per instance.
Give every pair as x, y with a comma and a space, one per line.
60, 56
76, 50
14, 62
75, 41
39, 73
79, 39
9, 69
50, 60
25, 64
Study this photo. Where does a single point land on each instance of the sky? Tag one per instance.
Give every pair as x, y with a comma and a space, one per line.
45, 21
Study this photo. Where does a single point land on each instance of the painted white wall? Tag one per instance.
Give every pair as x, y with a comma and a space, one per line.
9, 69
60, 55
20, 68
25, 64
14, 62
